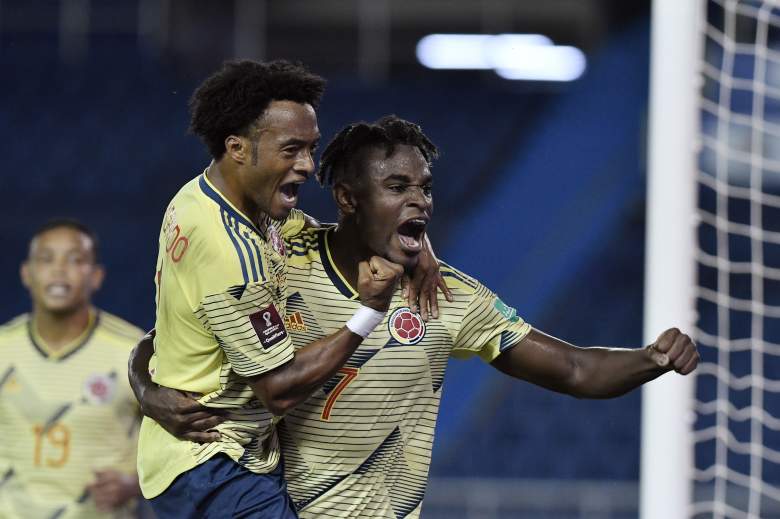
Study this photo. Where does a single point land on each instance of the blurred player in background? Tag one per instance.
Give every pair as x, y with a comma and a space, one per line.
68, 421
361, 446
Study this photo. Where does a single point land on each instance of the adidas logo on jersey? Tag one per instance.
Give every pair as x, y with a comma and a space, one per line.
294, 322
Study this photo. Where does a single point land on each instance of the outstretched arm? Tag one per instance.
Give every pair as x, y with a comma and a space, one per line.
596, 372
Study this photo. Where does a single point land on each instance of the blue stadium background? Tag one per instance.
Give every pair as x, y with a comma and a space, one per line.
538, 192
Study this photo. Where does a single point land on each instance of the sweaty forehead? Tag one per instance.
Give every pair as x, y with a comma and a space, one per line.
284, 120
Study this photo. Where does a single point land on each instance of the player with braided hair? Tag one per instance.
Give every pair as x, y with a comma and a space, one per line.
389, 131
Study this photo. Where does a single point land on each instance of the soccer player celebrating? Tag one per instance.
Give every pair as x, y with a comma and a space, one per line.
361, 445
68, 419
221, 296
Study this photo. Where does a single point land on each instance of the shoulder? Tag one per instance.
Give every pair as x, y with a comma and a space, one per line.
470, 296
194, 225
191, 209
190, 194
460, 282
14, 328
293, 224
306, 241
303, 251
118, 331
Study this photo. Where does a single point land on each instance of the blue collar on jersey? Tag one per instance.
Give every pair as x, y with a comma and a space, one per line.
210, 191
330, 267
69, 349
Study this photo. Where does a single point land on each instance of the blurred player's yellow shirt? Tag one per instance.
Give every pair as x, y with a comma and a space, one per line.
64, 414
361, 446
221, 289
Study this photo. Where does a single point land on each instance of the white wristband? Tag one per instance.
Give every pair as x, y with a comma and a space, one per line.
365, 320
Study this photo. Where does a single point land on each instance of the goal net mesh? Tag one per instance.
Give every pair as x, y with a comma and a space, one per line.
737, 419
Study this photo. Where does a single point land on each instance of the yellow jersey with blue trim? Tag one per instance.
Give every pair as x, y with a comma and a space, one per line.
360, 447
221, 292
64, 414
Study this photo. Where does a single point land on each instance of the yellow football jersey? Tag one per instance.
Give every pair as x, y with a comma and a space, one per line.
221, 289
361, 446
64, 414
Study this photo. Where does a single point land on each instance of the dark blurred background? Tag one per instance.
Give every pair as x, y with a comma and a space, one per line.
539, 190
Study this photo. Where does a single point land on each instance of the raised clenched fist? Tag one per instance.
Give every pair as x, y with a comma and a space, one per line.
377, 279
675, 350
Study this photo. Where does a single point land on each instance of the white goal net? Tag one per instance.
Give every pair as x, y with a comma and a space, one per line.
737, 396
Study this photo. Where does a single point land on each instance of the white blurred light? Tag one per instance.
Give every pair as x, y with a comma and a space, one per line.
557, 63
454, 51
513, 56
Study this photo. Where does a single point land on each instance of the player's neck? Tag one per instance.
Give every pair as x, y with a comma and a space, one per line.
220, 175
347, 251
59, 329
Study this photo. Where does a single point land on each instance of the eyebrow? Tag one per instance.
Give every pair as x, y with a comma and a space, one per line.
300, 142
400, 177
68, 252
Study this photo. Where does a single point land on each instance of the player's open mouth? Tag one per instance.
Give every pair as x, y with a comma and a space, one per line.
410, 234
57, 289
289, 193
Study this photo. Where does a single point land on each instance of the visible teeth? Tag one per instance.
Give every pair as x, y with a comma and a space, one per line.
57, 290
409, 241
412, 228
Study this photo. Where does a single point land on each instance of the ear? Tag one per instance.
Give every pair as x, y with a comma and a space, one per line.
97, 277
238, 148
345, 199
24, 274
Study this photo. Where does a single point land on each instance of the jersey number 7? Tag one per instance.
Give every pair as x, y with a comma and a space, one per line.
349, 374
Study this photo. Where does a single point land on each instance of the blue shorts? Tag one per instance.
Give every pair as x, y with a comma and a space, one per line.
220, 487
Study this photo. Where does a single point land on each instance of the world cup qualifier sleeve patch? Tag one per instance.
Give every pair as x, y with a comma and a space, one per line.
268, 326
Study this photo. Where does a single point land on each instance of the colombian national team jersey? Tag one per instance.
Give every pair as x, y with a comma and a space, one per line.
360, 447
64, 414
221, 289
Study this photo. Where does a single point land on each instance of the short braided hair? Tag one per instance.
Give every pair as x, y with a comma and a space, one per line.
387, 133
